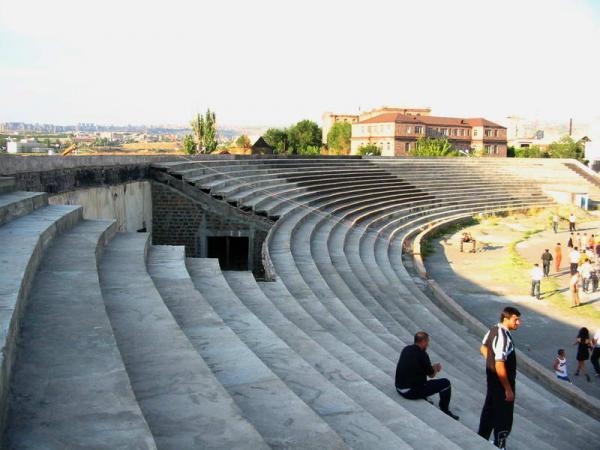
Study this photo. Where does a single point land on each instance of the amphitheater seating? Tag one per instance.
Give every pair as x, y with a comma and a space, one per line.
122, 344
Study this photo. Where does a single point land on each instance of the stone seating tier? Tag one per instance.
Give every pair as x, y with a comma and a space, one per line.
182, 355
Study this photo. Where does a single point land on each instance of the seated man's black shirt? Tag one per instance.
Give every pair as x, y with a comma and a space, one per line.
414, 366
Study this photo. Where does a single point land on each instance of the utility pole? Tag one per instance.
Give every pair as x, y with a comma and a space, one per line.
571, 126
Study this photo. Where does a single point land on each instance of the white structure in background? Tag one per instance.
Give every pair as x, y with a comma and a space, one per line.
592, 146
26, 146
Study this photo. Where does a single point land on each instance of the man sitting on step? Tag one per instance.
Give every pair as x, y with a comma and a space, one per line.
414, 366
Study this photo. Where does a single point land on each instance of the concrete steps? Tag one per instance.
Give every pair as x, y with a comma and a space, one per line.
23, 242
357, 427
19, 203
184, 406
326, 331
281, 418
70, 388
356, 323
389, 410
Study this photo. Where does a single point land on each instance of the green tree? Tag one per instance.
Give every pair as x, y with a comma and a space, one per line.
566, 147
310, 150
426, 146
189, 146
305, 133
534, 151
339, 136
369, 150
210, 132
198, 127
205, 132
277, 138
243, 141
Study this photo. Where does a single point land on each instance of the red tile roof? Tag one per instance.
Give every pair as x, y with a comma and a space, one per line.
431, 120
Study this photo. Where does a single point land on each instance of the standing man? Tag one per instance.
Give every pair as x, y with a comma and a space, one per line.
412, 371
555, 222
596, 352
557, 257
546, 260
586, 274
501, 371
574, 288
574, 260
572, 220
571, 242
536, 279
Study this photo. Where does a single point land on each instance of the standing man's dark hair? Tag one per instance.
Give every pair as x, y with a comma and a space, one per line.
413, 369
501, 370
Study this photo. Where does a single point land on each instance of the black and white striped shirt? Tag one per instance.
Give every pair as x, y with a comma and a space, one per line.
500, 348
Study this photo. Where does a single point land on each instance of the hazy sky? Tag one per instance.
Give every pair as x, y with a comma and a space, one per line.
268, 62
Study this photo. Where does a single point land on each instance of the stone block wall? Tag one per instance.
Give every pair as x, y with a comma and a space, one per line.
178, 219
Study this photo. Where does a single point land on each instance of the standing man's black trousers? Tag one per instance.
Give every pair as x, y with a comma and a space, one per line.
546, 266
441, 386
497, 414
595, 357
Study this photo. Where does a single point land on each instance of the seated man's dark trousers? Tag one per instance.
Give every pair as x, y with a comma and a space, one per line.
431, 387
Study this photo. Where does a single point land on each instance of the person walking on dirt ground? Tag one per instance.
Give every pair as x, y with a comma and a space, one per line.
571, 242
498, 351
574, 260
555, 222
546, 260
583, 344
586, 275
574, 288
572, 222
536, 280
557, 257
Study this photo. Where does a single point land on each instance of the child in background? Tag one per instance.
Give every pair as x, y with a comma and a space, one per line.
560, 366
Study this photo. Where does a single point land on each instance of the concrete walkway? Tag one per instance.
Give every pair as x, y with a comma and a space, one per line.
484, 282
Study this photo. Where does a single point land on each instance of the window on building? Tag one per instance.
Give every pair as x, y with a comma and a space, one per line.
475, 132
445, 131
496, 133
407, 147
418, 129
408, 130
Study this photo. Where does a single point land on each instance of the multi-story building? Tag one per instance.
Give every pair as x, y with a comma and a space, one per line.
396, 134
330, 118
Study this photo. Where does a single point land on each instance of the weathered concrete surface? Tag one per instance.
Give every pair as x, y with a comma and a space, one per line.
130, 204
179, 398
17, 204
276, 412
70, 388
358, 427
23, 242
7, 184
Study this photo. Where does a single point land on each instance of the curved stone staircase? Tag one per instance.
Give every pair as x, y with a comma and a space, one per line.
111, 342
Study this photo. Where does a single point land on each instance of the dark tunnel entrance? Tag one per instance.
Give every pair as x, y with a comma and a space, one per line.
232, 252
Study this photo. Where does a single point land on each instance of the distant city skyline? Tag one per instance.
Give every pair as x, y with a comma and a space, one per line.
270, 63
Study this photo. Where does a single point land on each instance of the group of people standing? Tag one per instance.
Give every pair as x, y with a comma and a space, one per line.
584, 262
